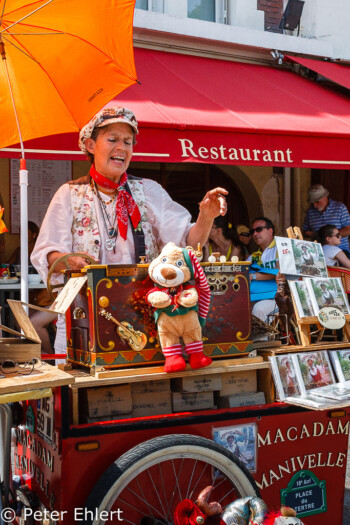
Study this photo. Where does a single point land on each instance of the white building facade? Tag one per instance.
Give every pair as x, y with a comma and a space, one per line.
323, 29
257, 32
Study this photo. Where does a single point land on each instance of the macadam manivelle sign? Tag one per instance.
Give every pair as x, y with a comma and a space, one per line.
295, 463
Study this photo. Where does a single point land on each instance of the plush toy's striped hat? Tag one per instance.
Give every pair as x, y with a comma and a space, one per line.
201, 283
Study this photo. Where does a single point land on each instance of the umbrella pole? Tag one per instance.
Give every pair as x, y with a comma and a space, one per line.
23, 184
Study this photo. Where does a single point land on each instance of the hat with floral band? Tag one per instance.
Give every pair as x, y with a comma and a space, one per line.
105, 117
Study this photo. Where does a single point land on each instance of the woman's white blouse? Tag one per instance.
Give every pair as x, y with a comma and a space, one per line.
170, 222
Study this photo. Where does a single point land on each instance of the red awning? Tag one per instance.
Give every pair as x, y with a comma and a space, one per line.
338, 73
194, 109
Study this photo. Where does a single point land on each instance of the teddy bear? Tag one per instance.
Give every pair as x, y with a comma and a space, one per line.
180, 308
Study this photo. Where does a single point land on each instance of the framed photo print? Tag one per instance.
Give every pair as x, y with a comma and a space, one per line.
315, 370
327, 292
341, 364
301, 296
301, 258
285, 376
240, 440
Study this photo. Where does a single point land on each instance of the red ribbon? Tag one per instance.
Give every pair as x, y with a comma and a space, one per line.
126, 206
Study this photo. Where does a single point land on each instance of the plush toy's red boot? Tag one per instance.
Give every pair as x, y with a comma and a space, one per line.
199, 360
174, 363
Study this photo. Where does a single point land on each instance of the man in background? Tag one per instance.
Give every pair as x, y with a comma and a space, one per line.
263, 285
324, 210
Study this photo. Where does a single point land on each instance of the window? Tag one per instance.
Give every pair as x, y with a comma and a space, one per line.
142, 4
150, 5
201, 9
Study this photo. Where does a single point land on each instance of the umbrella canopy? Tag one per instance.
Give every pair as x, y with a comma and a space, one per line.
66, 59
62, 61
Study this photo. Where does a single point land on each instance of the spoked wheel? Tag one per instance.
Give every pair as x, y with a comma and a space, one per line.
144, 486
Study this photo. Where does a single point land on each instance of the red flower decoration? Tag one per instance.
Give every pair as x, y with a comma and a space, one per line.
85, 222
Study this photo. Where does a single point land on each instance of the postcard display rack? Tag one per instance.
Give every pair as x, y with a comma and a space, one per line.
304, 325
304, 322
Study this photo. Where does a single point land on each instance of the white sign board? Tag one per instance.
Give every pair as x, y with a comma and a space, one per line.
331, 318
44, 179
301, 258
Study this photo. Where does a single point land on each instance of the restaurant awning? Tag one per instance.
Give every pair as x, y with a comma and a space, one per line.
338, 73
195, 109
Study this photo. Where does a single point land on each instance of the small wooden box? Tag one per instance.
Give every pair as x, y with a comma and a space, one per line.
145, 387
151, 404
238, 382
104, 402
241, 400
204, 383
25, 346
192, 401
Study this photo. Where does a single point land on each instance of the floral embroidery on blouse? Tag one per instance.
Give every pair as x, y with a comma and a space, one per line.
85, 231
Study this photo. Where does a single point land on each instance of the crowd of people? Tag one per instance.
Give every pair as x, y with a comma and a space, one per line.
116, 218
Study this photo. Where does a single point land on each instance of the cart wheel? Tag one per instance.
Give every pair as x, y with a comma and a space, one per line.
51, 287
144, 486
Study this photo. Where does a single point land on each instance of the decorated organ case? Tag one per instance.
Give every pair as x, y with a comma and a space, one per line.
109, 323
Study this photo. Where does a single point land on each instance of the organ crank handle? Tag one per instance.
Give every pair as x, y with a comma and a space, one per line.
51, 287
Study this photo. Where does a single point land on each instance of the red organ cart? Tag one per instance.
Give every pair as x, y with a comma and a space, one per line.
125, 442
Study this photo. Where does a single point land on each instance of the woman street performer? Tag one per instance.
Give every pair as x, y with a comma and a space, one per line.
111, 215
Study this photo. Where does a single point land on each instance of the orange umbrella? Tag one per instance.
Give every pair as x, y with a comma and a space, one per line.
62, 61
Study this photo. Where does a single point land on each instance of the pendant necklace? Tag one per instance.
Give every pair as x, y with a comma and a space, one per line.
109, 221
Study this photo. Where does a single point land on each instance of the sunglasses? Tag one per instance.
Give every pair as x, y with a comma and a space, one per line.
258, 229
336, 235
245, 234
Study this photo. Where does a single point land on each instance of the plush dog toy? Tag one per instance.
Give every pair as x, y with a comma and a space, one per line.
181, 309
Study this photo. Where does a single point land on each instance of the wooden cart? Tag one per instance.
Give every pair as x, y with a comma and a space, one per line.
128, 443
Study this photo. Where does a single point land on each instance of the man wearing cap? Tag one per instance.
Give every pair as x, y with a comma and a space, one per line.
324, 210
111, 215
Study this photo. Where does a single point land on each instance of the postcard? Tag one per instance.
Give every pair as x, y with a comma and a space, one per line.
327, 292
341, 363
301, 258
301, 296
339, 391
240, 440
313, 369
285, 376
312, 401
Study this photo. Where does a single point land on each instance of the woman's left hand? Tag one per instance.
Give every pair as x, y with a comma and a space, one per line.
214, 203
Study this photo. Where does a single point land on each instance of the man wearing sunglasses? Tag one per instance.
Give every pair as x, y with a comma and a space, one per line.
264, 268
324, 210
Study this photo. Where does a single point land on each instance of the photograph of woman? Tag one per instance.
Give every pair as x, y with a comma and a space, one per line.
315, 370
327, 292
288, 376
